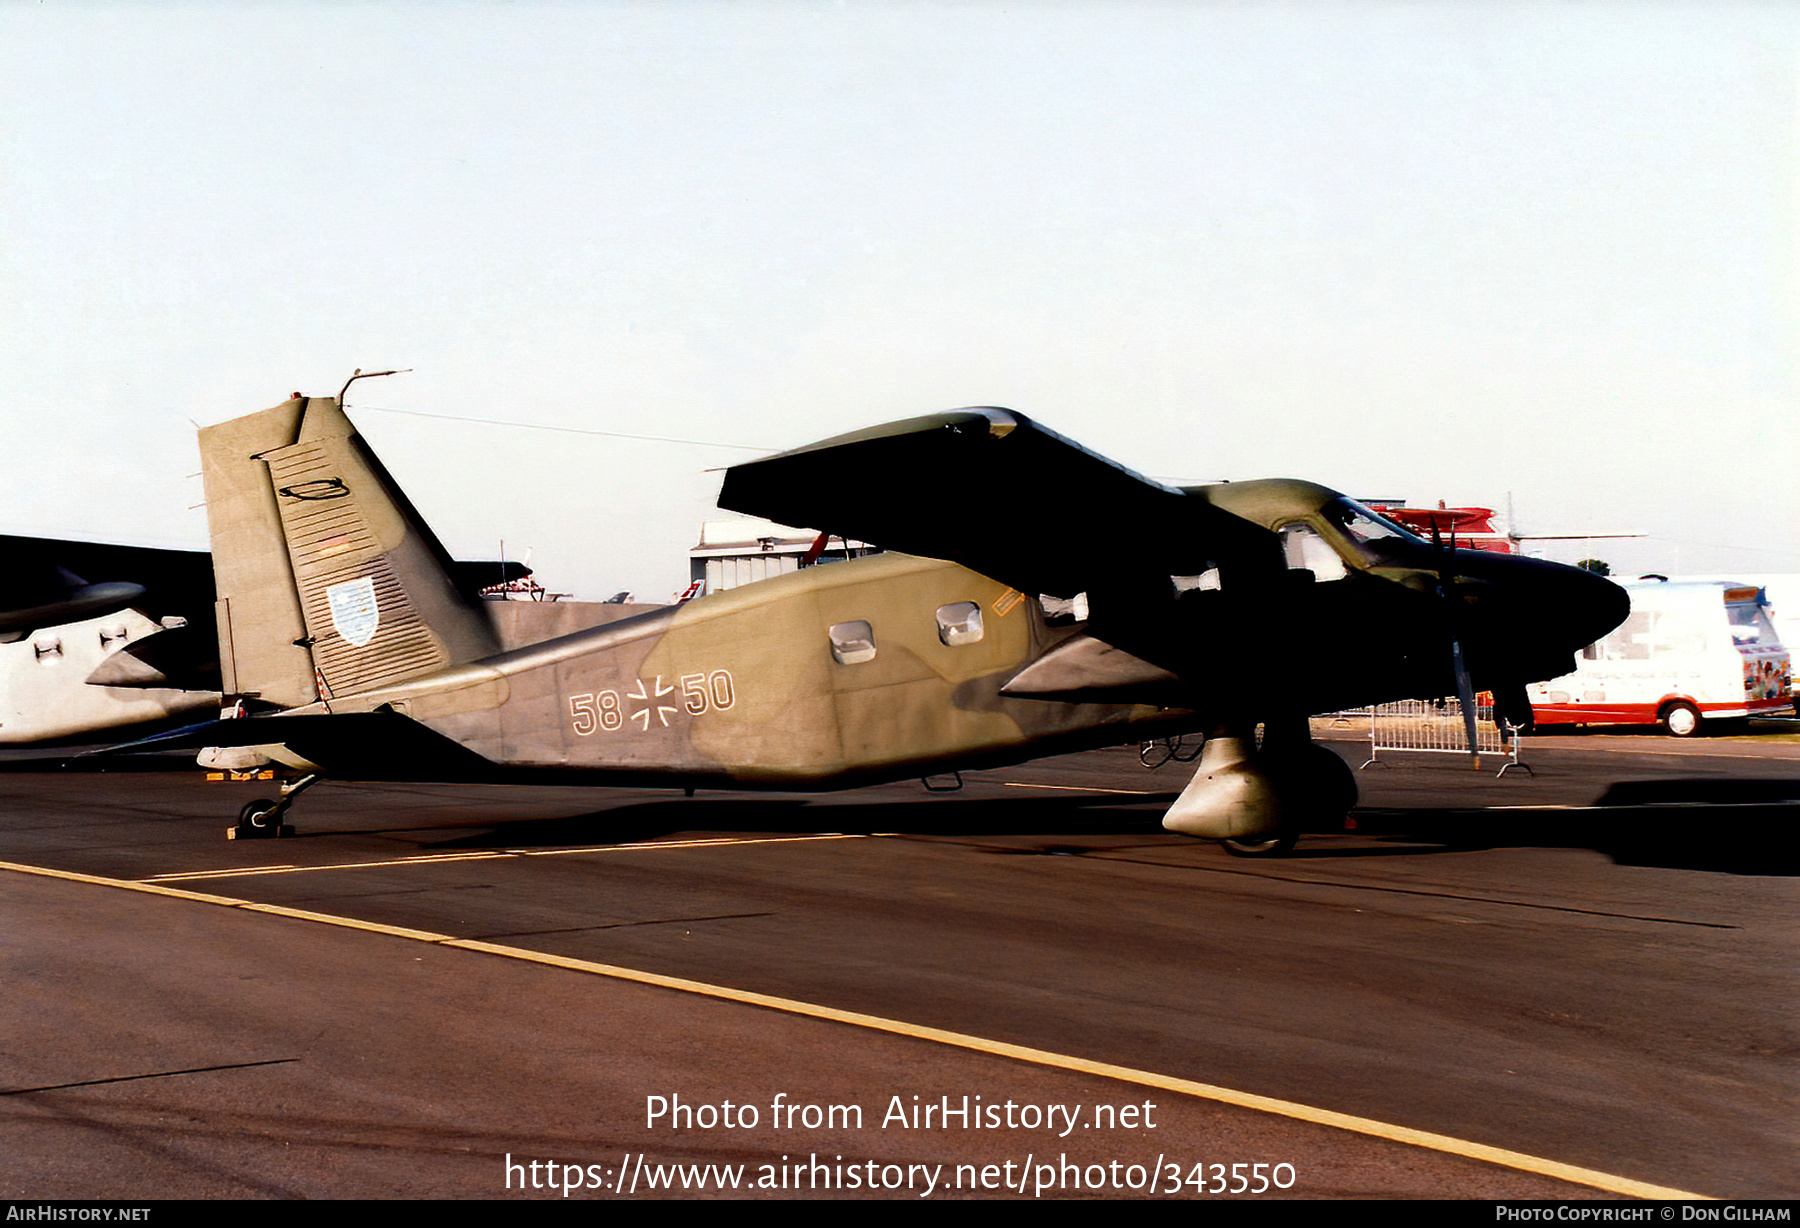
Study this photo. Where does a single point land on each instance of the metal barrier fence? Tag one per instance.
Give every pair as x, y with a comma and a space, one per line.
1436, 726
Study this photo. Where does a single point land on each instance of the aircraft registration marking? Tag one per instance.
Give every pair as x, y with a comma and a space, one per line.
605, 711
662, 712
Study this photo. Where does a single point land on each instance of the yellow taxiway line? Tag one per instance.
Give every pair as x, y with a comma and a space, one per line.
1205, 1091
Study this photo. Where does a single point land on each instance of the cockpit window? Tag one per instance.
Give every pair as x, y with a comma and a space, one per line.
1372, 535
1305, 550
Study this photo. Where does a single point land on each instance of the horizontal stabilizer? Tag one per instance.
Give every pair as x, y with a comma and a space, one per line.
348, 746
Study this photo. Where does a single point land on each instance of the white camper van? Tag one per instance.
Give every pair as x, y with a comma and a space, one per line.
1689, 652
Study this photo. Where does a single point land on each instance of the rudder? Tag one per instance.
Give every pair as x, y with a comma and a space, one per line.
329, 582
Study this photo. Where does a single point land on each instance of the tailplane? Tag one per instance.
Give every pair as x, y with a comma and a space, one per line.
329, 582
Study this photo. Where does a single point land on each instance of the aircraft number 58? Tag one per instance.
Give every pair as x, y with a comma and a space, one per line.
700, 694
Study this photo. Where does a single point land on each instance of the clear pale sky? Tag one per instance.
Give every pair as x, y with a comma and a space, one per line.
1426, 250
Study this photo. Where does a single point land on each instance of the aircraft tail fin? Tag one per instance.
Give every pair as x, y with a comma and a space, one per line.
329, 582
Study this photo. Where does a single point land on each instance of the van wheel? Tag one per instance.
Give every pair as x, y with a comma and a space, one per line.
1681, 720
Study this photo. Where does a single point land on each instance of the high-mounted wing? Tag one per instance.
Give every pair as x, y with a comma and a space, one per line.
996, 492
48, 582
41, 581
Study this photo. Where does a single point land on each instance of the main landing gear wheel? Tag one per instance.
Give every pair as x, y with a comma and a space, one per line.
1278, 845
1316, 784
1681, 720
1320, 782
1257, 801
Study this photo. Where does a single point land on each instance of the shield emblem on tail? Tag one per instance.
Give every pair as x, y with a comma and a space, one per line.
354, 611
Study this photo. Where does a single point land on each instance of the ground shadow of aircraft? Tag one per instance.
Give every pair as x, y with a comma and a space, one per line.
1745, 827
1048, 600
1068, 817
1763, 839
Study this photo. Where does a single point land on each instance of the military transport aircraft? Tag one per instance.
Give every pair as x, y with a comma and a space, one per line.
1211, 608
80, 658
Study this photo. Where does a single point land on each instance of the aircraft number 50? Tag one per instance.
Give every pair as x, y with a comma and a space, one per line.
700, 694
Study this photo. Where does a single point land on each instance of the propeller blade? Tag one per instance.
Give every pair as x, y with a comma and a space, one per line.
1465, 690
1465, 693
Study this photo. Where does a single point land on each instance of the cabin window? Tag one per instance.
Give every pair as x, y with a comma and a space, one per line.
959, 623
1305, 550
852, 643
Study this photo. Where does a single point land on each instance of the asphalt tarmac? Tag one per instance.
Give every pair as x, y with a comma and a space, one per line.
1575, 984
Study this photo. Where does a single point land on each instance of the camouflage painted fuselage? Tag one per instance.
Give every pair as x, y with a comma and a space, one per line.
744, 687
